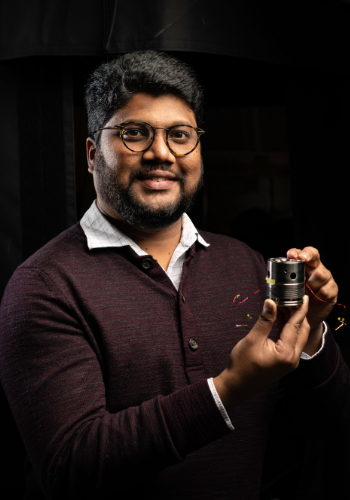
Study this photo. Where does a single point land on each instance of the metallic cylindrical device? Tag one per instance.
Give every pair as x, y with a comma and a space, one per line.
286, 281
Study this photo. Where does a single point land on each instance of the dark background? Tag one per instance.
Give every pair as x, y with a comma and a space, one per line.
275, 76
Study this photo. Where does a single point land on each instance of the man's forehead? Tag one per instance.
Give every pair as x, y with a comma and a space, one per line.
147, 106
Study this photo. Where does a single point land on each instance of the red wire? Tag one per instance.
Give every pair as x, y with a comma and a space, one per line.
239, 303
313, 293
334, 303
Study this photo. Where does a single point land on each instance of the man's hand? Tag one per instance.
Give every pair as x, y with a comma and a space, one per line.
321, 282
257, 361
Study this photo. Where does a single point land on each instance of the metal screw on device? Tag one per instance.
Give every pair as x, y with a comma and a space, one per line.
286, 281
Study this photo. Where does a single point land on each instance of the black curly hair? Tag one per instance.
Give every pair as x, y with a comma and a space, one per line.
115, 82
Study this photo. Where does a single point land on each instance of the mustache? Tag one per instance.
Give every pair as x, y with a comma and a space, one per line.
138, 174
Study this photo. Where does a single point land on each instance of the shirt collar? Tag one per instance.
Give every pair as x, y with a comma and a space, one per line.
101, 233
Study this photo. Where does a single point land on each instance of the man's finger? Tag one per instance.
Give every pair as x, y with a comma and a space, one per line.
303, 337
293, 253
319, 277
310, 255
265, 322
295, 327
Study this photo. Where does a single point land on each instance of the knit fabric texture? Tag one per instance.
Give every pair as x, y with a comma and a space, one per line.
109, 395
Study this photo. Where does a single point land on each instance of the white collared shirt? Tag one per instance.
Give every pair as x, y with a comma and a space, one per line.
101, 233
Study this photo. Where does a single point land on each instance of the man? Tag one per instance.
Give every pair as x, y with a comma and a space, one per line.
129, 369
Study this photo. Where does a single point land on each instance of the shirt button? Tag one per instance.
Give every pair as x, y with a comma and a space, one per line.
183, 298
193, 345
146, 263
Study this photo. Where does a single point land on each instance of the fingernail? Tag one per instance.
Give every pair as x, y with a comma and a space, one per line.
268, 307
305, 255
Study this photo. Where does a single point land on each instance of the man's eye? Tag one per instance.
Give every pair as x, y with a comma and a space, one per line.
131, 132
179, 135
134, 133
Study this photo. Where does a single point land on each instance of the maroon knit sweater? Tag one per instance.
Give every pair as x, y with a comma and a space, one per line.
110, 400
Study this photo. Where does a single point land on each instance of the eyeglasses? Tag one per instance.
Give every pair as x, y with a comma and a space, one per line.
138, 136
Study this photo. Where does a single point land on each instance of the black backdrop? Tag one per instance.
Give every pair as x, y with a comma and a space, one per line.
312, 33
40, 42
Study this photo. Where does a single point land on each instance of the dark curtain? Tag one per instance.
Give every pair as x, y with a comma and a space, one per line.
303, 33
38, 188
10, 196
37, 191
312, 34
319, 129
46, 150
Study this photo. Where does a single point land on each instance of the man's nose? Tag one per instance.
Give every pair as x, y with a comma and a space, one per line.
159, 150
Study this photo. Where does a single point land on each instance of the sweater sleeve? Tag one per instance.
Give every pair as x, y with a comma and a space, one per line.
317, 392
53, 378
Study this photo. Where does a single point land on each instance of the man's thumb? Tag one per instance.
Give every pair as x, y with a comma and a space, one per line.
267, 317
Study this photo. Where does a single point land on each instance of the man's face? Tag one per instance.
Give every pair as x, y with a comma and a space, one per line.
150, 189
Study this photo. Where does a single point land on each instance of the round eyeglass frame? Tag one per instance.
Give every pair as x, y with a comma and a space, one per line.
121, 127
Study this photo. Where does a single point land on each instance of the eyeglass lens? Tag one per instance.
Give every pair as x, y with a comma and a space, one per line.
138, 137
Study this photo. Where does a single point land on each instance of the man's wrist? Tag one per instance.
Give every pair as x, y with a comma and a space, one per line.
219, 404
231, 392
314, 341
222, 391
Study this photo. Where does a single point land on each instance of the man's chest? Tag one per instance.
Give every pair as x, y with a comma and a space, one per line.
154, 340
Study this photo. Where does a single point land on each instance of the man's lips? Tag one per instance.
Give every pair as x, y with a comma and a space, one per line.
158, 180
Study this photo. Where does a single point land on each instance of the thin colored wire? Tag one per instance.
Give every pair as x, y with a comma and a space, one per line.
333, 303
313, 293
239, 303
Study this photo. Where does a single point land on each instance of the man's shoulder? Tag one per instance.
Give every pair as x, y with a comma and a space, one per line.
232, 252
51, 264
63, 247
225, 243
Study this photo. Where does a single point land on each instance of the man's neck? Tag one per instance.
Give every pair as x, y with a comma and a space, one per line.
159, 242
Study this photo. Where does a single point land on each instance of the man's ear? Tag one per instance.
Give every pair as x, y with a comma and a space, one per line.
90, 152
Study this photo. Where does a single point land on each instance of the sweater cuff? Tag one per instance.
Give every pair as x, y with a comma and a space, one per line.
319, 369
219, 404
193, 418
306, 356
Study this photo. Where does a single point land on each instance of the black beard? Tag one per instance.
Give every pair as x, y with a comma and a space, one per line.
123, 200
